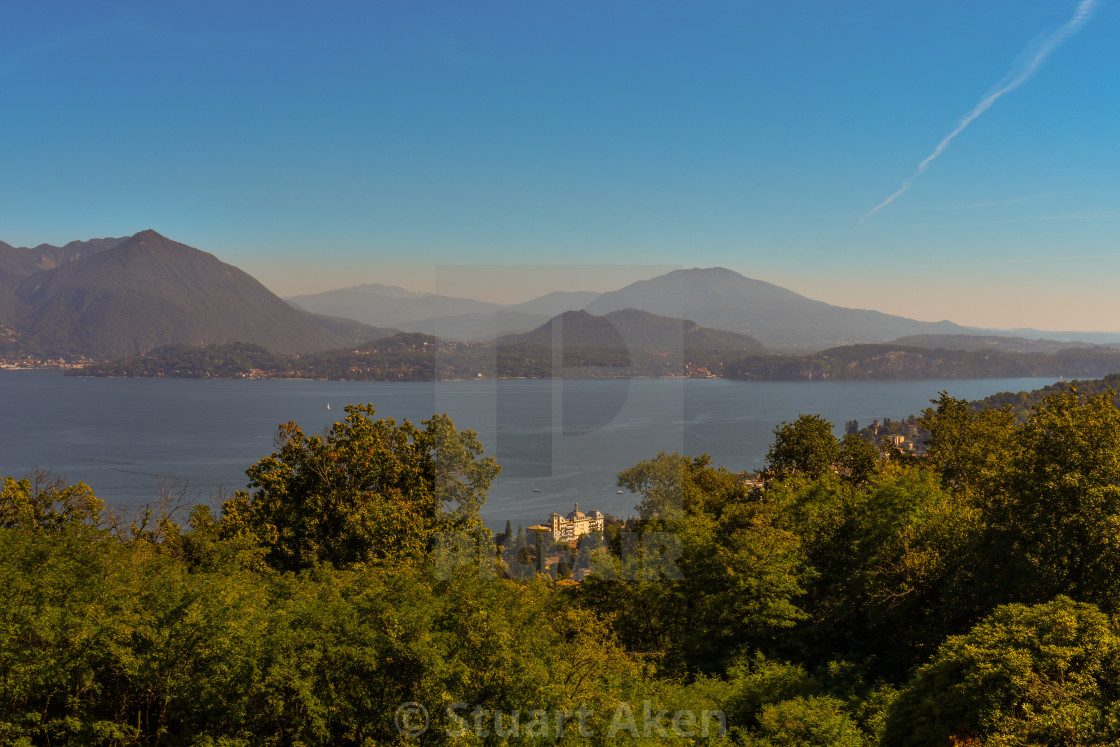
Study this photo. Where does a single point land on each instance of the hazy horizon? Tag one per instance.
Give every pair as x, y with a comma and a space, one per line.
509, 285
938, 162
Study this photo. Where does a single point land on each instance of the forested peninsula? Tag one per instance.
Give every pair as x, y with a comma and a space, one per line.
420, 357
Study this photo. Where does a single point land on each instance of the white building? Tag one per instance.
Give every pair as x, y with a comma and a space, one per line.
566, 528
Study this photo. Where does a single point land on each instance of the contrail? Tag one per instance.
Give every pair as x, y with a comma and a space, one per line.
1010, 82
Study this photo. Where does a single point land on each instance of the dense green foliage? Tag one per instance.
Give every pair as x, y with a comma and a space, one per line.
738, 571
364, 492
1043, 674
968, 596
806, 446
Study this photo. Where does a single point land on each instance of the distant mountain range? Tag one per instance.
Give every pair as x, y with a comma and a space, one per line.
443, 316
477, 327
388, 306
780, 319
715, 298
114, 297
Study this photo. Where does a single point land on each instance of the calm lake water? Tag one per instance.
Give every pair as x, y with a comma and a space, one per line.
566, 439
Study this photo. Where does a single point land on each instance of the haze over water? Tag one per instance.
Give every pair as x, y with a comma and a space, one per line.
566, 438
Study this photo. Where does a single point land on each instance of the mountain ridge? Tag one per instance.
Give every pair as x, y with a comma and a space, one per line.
116, 296
388, 306
715, 298
779, 318
25, 261
148, 290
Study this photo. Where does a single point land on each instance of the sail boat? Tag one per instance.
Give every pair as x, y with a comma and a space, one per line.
328, 405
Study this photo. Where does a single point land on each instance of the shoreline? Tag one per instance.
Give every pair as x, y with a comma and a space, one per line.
816, 380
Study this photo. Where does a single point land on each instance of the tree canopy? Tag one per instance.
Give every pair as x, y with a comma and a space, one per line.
367, 490
805, 445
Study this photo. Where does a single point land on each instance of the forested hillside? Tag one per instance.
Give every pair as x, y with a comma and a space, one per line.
906, 362
1021, 402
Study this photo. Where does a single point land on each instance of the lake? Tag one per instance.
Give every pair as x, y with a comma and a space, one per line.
567, 439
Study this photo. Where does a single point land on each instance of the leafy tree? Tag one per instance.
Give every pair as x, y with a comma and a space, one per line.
44, 502
367, 490
1045, 674
1059, 517
674, 486
805, 445
885, 560
917, 544
777, 703
111, 643
970, 449
859, 459
115, 643
816, 721
736, 577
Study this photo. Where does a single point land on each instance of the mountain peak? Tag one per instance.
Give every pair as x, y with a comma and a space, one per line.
149, 243
633, 329
150, 290
574, 315
149, 235
779, 318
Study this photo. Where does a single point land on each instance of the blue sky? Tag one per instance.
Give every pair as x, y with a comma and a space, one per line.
585, 143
